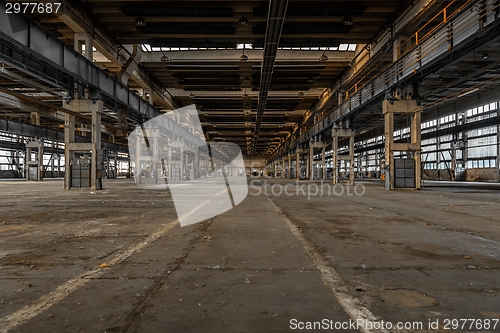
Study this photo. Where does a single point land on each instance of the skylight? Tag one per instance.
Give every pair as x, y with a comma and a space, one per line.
341, 47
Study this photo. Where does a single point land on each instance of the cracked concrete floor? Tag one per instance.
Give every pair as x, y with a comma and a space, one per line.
404, 255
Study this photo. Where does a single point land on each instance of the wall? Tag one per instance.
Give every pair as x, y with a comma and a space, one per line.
9, 174
256, 162
471, 175
482, 175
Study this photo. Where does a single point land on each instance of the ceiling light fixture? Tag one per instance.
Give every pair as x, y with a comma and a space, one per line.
301, 94
243, 21
164, 58
246, 79
191, 95
486, 56
139, 22
243, 57
323, 57
347, 21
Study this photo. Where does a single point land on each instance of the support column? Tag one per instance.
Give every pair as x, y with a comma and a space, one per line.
169, 164
35, 118
138, 154
154, 158
182, 158
351, 160
94, 148
205, 166
335, 158
69, 138
323, 163
81, 39
96, 164
307, 165
311, 161
289, 174
336, 135
497, 165
413, 148
35, 165
196, 165
121, 117
297, 166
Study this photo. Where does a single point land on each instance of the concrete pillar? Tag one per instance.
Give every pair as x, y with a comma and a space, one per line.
138, 162
438, 150
311, 165
401, 107
85, 106
121, 117
169, 164
81, 39
323, 163
351, 160
335, 154
58, 165
36, 163
336, 135
498, 149
181, 177
205, 165
389, 154
69, 137
416, 138
297, 166
96, 164
307, 166
35, 118
116, 165
289, 173
196, 165
153, 141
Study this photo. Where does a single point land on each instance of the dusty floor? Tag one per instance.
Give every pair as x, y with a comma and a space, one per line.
403, 256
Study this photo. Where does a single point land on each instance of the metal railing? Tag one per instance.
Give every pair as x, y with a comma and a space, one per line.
430, 47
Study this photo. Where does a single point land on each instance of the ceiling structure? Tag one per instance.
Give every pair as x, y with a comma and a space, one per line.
259, 72
211, 53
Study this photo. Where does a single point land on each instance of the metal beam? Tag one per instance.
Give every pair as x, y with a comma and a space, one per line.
406, 69
275, 20
80, 19
253, 56
34, 131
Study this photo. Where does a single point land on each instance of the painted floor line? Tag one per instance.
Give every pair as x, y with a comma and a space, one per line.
33, 309
352, 306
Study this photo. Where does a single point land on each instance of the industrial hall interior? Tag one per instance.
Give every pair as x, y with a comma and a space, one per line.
249, 166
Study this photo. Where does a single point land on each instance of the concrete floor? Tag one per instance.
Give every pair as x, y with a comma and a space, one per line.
113, 260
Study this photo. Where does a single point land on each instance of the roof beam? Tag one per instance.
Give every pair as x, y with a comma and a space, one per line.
253, 56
